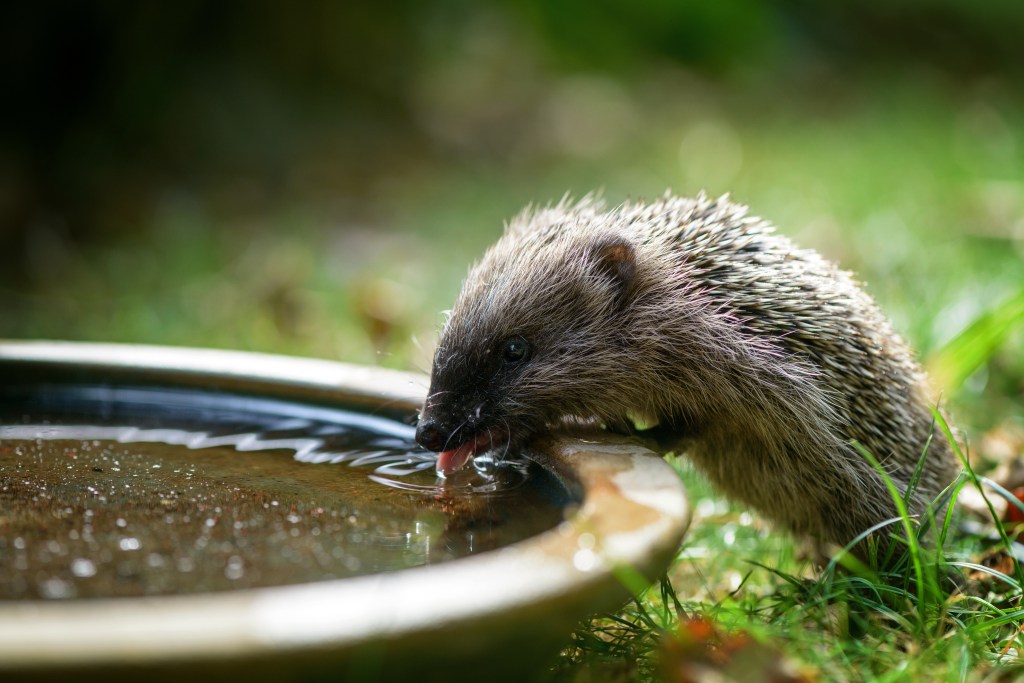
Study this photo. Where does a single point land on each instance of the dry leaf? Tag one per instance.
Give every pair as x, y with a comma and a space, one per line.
700, 651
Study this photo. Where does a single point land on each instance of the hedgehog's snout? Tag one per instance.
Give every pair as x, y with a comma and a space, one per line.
436, 434
430, 435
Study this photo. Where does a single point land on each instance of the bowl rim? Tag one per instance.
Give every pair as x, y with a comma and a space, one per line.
629, 525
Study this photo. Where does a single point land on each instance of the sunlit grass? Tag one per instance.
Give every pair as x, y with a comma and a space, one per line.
843, 622
976, 344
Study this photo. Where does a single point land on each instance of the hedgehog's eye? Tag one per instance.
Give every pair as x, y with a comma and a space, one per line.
515, 349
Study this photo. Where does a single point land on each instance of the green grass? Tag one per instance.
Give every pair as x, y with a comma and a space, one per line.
918, 189
845, 622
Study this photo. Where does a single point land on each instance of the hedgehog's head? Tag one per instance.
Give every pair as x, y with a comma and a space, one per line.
529, 340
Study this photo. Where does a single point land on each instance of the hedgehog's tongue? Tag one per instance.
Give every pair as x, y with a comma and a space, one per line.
449, 462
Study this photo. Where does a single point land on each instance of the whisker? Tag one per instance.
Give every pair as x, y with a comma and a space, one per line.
454, 432
508, 439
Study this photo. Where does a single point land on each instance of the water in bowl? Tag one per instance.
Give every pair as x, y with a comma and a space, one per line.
128, 491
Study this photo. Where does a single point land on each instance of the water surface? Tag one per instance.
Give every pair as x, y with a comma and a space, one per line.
128, 491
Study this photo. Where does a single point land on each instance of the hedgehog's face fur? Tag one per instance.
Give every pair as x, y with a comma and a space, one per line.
530, 338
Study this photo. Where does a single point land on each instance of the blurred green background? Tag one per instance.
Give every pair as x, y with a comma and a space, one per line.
315, 178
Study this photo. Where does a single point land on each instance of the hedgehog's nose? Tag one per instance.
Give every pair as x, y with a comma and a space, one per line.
429, 435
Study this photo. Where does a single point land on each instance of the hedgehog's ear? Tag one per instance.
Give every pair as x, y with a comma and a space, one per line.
615, 259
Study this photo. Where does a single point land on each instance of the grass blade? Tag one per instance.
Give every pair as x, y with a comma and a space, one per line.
970, 349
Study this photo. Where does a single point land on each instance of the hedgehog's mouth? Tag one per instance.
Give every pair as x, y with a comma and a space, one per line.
451, 461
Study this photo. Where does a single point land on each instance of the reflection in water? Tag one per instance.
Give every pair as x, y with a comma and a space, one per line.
138, 491
385, 462
197, 420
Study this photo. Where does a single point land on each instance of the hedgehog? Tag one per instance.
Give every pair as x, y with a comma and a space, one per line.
764, 363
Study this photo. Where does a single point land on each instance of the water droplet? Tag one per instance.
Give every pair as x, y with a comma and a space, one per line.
55, 589
83, 567
129, 544
235, 568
